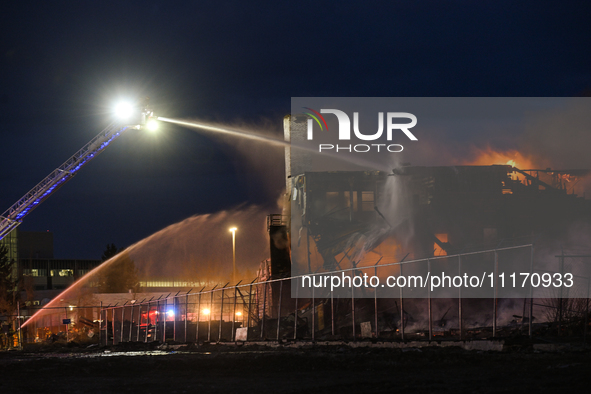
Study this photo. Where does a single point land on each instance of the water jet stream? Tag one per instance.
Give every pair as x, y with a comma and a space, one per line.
234, 132
190, 250
278, 142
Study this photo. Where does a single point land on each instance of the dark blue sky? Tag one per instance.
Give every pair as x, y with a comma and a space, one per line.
62, 64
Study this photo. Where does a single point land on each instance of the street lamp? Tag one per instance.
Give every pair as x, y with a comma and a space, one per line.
233, 231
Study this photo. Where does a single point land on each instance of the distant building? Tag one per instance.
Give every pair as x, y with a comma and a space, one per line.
55, 274
32, 255
35, 244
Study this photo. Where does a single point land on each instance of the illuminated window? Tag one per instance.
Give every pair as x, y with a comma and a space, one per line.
31, 272
66, 272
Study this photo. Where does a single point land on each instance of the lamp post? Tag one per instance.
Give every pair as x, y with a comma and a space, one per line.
233, 231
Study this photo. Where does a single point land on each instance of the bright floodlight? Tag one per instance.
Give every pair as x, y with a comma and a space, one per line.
124, 110
206, 311
152, 125
233, 229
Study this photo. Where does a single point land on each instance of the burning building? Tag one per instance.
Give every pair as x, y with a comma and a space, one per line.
420, 211
435, 210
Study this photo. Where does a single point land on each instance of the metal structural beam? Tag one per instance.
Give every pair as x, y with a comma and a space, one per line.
14, 215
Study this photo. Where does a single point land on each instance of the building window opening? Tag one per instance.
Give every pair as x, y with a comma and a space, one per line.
367, 201
348, 200
437, 250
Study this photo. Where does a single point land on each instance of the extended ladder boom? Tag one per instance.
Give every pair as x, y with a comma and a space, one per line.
15, 214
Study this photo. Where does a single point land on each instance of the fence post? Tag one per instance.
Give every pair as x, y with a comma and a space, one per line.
376, 297
248, 317
586, 312
495, 290
430, 310
18, 316
332, 311
210, 313
122, 320
131, 323
100, 322
221, 317
560, 303
313, 311
401, 307
295, 314
264, 308
233, 335
113, 324
186, 314
175, 306
157, 318
353, 305
18, 322
198, 315
375, 300
279, 310
531, 292
147, 323
165, 304
139, 321
460, 299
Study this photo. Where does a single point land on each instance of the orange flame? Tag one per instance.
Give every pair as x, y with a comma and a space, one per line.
490, 157
513, 158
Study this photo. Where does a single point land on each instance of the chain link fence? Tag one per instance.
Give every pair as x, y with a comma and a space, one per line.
284, 310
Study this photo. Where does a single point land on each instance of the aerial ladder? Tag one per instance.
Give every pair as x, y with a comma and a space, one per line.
14, 215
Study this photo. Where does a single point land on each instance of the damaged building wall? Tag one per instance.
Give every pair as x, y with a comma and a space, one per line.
430, 211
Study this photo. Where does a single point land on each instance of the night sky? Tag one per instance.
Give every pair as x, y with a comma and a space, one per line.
64, 64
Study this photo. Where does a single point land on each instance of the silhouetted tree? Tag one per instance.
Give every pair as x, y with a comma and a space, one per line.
9, 286
110, 251
119, 275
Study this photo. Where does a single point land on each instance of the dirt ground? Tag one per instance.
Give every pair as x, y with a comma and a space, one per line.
317, 369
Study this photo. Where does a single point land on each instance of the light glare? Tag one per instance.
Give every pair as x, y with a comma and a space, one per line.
124, 110
152, 125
